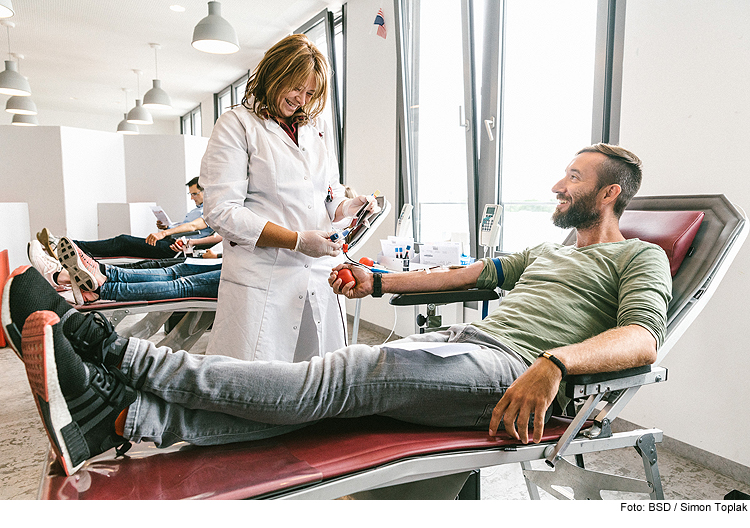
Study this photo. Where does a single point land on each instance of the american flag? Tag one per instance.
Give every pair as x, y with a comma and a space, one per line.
380, 22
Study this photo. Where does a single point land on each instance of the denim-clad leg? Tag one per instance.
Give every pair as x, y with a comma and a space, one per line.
164, 284
216, 399
118, 274
126, 246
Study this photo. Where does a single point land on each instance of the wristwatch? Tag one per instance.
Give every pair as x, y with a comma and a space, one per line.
377, 284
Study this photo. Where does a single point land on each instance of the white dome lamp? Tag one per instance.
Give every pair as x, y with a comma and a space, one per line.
12, 82
156, 97
123, 127
214, 34
139, 115
20, 105
24, 120
6, 9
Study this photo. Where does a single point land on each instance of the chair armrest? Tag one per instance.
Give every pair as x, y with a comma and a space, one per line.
582, 385
443, 297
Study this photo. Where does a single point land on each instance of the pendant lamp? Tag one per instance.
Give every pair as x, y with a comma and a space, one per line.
20, 105
6, 9
214, 34
123, 127
24, 120
156, 97
139, 115
12, 82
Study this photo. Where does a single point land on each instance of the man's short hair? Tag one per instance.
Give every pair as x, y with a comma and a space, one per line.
194, 181
621, 167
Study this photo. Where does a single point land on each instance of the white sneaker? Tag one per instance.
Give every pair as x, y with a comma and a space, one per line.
44, 264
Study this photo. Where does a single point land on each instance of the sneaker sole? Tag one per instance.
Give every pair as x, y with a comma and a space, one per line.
11, 331
71, 261
44, 238
41, 369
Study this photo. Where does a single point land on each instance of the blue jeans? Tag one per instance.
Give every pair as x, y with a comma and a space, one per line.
207, 400
175, 282
127, 246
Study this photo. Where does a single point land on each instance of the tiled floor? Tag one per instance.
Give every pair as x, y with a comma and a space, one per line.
23, 446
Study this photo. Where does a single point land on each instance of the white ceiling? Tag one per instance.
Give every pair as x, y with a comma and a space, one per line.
79, 54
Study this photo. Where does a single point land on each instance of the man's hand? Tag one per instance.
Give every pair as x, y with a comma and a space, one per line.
177, 246
362, 287
533, 391
161, 225
154, 237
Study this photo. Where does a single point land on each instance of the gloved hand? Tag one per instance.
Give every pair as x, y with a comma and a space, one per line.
316, 244
351, 206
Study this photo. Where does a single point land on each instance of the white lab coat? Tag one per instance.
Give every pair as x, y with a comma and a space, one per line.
252, 173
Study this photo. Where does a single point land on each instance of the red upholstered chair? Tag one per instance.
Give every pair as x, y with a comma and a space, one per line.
4, 274
375, 457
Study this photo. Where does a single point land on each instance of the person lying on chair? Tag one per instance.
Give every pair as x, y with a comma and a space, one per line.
597, 306
155, 245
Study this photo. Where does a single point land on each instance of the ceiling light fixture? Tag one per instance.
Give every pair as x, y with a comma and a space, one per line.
156, 97
123, 127
139, 115
213, 34
12, 82
6, 9
24, 120
20, 105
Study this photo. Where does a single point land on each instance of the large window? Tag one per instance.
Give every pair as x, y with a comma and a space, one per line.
497, 98
435, 103
230, 96
327, 31
548, 84
190, 123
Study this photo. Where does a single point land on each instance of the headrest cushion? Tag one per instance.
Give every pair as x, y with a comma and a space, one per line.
674, 231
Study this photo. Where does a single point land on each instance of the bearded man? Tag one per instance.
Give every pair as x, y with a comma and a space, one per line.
597, 306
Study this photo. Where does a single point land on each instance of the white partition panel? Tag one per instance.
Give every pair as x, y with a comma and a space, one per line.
122, 218
158, 167
15, 233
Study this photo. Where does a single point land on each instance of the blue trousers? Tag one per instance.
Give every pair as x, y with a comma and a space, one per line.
207, 400
127, 246
174, 282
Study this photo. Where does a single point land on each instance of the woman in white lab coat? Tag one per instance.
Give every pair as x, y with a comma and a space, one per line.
271, 189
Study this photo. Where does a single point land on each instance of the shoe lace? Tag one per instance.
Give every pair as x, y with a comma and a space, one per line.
95, 331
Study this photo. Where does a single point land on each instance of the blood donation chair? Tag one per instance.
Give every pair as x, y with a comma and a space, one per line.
377, 457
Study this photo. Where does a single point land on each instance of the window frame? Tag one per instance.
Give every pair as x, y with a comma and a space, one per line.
484, 172
189, 118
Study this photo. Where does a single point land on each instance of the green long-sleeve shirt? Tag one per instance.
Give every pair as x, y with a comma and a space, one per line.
562, 295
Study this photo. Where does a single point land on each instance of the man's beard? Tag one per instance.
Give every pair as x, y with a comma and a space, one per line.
581, 214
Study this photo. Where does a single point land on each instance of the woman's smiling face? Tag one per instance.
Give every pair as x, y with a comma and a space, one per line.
291, 101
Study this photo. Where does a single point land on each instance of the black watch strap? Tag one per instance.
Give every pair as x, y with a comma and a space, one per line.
377, 284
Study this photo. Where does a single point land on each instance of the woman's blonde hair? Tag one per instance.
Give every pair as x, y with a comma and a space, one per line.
284, 67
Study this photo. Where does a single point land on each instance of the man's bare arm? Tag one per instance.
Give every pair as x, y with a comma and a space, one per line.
439, 279
194, 225
533, 392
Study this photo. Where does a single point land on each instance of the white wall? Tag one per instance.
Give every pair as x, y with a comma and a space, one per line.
103, 122
31, 172
93, 172
686, 113
158, 167
62, 173
371, 147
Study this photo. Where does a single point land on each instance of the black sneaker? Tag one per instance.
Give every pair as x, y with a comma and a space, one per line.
92, 336
78, 402
96, 341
